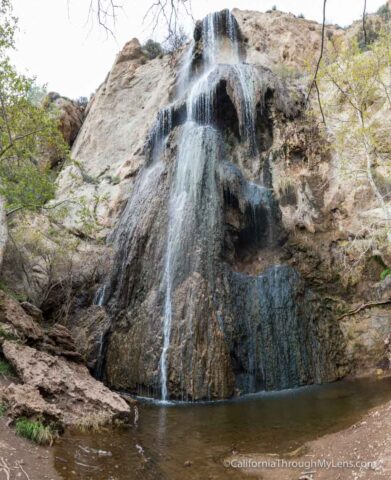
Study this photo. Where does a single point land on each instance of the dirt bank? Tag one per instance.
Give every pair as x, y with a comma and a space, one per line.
21, 459
359, 452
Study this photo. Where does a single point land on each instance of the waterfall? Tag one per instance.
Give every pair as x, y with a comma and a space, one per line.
194, 178
188, 322
161, 128
197, 153
220, 37
100, 296
245, 76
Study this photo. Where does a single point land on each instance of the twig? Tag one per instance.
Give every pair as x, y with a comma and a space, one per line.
362, 307
321, 52
169, 11
320, 102
41, 207
23, 470
5, 468
363, 22
19, 137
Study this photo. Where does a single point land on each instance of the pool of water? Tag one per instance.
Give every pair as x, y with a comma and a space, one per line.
169, 436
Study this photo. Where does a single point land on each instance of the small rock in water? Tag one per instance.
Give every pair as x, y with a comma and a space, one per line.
188, 463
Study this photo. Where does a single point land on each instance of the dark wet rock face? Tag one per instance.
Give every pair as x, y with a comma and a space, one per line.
200, 305
286, 339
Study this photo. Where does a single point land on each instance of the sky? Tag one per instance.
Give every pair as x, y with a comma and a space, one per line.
58, 45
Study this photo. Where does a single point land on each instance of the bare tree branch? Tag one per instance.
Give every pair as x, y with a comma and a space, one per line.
363, 21
104, 12
40, 207
19, 137
362, 307
168, 12
314, 82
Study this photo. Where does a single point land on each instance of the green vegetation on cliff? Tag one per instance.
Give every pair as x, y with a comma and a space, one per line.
28, 131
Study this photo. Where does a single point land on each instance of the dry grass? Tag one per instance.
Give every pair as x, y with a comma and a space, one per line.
94, 422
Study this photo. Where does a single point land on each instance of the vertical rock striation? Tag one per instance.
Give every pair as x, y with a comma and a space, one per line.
199, 308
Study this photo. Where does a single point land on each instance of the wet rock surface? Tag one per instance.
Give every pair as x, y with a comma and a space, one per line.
186, 321
276, 198
89, 328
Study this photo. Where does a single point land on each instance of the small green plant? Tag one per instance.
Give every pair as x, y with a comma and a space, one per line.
115, 180
6, 369
6, 334
35, 431
301, 15
152, 49
274, 8
3, 408
385, 273
286, 72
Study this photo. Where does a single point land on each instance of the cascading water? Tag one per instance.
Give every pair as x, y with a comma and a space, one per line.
187, 322
194, 177
100, 296
245, 76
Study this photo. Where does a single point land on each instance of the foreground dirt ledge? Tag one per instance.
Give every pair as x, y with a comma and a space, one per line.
51, 383
58, 388
368, 441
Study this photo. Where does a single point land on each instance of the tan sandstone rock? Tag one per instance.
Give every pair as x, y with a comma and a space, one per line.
14, 316
26, 401
76, 395
70, 116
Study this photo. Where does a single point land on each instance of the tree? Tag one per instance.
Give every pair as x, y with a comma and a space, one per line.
153, 49
384, 12
159, 12
360, 81
27, 129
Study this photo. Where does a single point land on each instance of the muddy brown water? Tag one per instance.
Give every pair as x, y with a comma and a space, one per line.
169, 437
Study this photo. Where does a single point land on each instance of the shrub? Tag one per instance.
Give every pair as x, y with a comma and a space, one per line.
274, 8
384, 12
82, 102
7, 335
175, 41
3, 408
35, 431
385, 273
6, 369
153, 49
94, 422
373, 28
301, 15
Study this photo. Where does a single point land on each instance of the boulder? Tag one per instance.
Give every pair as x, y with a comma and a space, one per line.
131, 51
75, 397
33, 311
16, 320
88, 329
59, 341
70, 116
26, 401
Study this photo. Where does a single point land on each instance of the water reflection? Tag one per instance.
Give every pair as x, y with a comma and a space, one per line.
168, 438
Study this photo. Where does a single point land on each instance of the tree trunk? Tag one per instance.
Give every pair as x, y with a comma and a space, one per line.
3, 229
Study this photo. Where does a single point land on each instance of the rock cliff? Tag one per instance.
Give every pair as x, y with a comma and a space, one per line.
224, 218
